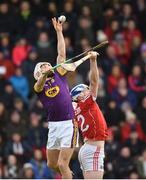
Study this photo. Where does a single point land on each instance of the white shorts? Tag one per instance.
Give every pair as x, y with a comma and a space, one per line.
91, 158
62, 134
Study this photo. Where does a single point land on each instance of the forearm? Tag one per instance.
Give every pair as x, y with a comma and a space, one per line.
61, 45
94, 74
40, 83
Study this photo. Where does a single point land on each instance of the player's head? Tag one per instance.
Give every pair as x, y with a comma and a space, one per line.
41, 67
79, 92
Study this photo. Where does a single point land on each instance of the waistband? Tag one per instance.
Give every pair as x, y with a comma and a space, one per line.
55, 121
60, 122
95, 143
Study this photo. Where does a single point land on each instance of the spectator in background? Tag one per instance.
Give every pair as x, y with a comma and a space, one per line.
114, 114
36, 133
102, 89
28, 66
106, 18
69, 12
8, 95
126, 107
45, 49
123, 51
142, 18
68, 31
126, 14
86, 12
27, 172
85, 30
134, 175
135, 144
1, 171
141, 168
11, 170
20, 107
141, 114
2, 146
6, 18
24, 17
84, 45
114, 77
51, 10
38, 8
132, 31
135, 80
142, 58
20, 51
135, 50
15, 125
138, 6
14, 6
109, 60
123, 94
7, 68
69, 47
40, 168
20, 84
5, 46
3, 117
131, 125
113, 30
40, 25
124, 163
112, 147
18, 147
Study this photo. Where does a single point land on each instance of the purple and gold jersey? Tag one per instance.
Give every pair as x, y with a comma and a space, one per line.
56, 99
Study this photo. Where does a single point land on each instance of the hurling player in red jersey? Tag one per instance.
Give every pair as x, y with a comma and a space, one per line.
91, 124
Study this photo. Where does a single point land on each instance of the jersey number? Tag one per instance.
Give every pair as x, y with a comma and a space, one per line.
82, 119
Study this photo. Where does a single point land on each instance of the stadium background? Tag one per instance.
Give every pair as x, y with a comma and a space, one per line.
27, 37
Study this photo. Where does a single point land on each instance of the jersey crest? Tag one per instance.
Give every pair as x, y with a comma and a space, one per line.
52, 92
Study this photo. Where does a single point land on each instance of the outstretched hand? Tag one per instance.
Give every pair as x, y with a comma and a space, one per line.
57, 24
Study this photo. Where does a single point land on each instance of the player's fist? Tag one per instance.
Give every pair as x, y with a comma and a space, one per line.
48, 73
57, 24
93, 54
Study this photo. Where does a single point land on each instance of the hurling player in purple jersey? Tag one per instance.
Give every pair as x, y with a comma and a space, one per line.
52, 90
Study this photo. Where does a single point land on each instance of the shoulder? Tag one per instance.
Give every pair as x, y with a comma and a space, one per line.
89, 99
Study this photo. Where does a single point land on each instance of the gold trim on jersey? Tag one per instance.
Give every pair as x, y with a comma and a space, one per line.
52, 92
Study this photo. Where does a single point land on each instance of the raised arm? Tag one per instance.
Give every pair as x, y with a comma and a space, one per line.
94, 74
60, 44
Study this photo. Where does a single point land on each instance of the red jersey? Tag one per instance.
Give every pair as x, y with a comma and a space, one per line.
90, 120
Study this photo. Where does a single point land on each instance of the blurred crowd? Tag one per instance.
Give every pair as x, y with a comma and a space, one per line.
27, 37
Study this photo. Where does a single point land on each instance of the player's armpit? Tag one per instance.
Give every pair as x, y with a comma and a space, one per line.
37, 88
61, 71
